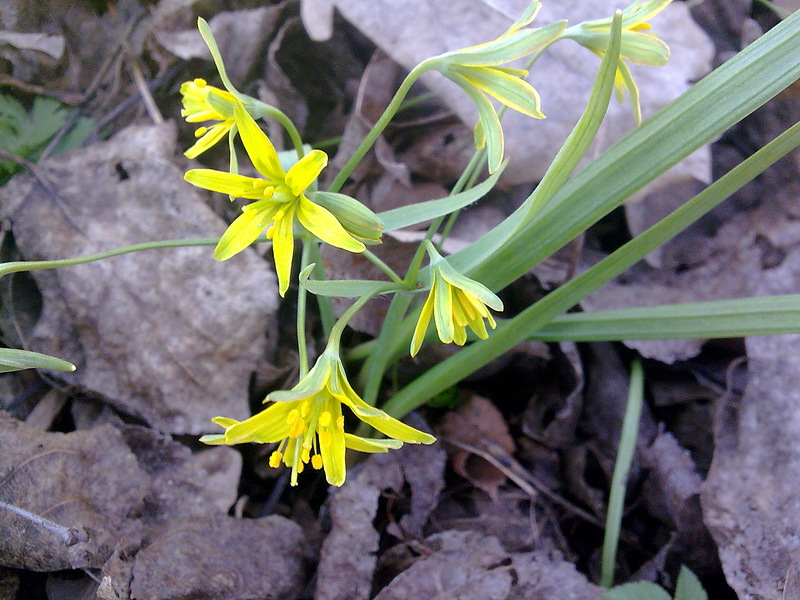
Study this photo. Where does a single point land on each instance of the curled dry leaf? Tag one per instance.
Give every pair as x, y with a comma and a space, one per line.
349, 553
170, 336
470, 566
475, 428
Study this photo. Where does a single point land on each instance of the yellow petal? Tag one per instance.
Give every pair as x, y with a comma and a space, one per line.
325, 226
333, 452
305, 171
270, 425
261, 151
422, 324
238, 186
360, 444
214, 134
283, 246
242, 232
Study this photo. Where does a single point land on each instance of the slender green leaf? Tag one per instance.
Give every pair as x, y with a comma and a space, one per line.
619, 480
17, 360
344, 288
689, 586
426, 211
640, 590
703, 320
509, 334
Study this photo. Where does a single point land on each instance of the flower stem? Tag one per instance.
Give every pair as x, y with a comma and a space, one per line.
380, 125
35, 265
265, 110
302, 297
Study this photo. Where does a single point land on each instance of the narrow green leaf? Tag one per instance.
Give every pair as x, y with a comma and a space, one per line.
640, 590
703, 320
426, 211
619, 480
17, 360
354, 288
689, 586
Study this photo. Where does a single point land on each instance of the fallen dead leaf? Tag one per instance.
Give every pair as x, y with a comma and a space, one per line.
348, 556
169, 336
477, 425
211, 558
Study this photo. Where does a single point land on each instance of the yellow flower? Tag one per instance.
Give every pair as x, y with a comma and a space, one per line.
637, 46
455, 301
478, 71
203, 102
309, 424
279, 199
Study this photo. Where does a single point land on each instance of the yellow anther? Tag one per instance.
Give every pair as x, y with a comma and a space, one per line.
293, 415
305, 408
200, 132
642, 27
325, 419
325, 438
296, 428
259, 183
200, 82
305, 455
300, 467
316, 462
275, 459
268, 192
340, 422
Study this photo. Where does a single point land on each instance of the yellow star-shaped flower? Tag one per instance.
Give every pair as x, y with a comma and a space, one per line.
202, 103
308, 423
280, 199
455, 302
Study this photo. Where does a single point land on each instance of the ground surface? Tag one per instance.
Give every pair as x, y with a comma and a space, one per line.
122, 500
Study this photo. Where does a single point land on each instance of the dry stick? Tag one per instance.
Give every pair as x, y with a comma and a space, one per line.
144, 90
37, 173
524, 480
69, 536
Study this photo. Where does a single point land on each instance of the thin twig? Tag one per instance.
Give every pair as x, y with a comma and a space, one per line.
69, 536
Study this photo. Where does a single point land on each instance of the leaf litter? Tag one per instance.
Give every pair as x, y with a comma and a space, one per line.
146, 514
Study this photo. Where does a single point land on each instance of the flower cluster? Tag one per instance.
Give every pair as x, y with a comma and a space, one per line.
308, 424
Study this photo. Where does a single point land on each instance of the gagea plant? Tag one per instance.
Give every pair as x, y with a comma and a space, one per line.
452, 299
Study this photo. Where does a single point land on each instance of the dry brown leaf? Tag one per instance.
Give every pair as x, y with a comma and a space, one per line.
751, 499
477, 425
211, 558
348, 556
87, 481
169, 336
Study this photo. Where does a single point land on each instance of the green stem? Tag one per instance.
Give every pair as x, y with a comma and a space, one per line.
265, 110
380, 125
622, 467
302, 297
338, 328
323, 302
35, 265
382, 266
